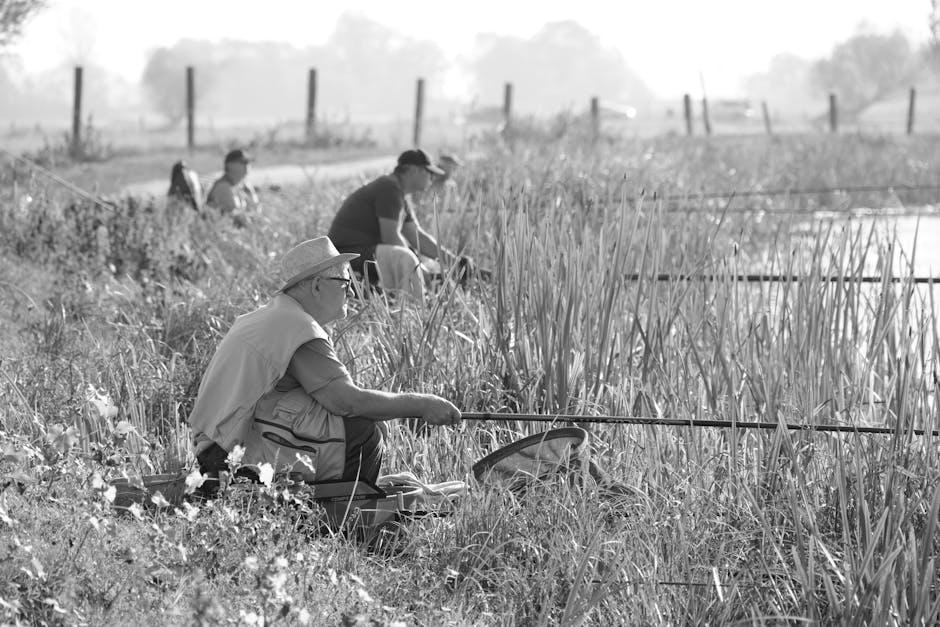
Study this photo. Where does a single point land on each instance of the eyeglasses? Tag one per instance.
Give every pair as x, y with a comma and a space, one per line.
347, 283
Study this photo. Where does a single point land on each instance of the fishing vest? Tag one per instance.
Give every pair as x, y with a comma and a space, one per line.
237, 404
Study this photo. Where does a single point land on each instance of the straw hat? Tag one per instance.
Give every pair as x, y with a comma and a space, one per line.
309, 258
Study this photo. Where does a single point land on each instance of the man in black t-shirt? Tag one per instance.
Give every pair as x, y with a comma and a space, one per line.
377, 223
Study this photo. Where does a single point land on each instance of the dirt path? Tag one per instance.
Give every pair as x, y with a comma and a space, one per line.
279, 175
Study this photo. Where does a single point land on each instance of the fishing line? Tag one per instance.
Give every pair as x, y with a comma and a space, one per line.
780, 278
745, 585
75, 189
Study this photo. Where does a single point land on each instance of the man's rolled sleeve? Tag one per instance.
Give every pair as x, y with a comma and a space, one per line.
315, 365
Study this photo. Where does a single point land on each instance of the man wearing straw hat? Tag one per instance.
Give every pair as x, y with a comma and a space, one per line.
276, 386
377, 222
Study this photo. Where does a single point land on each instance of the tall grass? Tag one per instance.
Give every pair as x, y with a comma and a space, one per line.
727, 526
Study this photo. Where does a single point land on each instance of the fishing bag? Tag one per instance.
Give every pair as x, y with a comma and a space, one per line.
185, 186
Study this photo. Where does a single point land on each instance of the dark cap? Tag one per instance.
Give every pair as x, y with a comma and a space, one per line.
237, 155
419, 158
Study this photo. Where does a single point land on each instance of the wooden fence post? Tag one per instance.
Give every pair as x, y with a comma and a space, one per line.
190, 107
687, 108
507, 105
311, 127
419, 112
833, 113
595, 118
705, 119
910, 111
77, 114
766, 112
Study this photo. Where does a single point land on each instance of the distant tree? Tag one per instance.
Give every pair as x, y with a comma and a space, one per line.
370, 69
935, 19
866, 69
785, 86
364, 69
164, 76
933, 46
13, 14
562, 66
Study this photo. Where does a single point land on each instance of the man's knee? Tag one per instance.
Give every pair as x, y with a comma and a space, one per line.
402, 259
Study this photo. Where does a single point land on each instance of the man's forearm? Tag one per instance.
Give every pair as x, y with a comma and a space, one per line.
345, 398
379, 405
429, 247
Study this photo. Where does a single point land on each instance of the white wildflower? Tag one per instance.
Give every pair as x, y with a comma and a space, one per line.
136, 511
189, 511
266, 474
235, 456
194, 480
123, 428
101, 402
159, 500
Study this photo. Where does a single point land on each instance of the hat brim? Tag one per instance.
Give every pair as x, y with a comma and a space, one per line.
317, 268
433, 169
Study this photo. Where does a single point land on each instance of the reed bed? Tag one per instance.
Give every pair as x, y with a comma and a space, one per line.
114, 310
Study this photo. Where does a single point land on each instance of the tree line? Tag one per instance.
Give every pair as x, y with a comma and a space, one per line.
366, 70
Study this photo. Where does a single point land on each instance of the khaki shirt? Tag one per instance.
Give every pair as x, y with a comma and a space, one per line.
228, 198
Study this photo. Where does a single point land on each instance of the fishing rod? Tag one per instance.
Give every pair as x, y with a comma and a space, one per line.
827, 214
72, 187
848, 189
780, 278
692, 422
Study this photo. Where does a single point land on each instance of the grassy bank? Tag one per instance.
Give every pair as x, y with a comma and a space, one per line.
127, 301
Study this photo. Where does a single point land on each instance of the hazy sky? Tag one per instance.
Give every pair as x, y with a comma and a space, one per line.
667, 42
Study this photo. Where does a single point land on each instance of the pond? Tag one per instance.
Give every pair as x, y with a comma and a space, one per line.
913, 233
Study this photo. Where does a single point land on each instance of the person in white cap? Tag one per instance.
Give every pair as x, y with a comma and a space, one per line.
276, 387
441, 195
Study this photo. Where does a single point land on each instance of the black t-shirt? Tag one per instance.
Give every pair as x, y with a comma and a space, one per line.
356, 225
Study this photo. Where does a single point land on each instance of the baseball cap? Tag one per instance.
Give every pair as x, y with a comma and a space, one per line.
420, 158
238, 155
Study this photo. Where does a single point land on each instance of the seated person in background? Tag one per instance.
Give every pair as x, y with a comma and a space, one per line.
378, 223
276, 386
441, 196
449, 164
185, 186
232, 194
